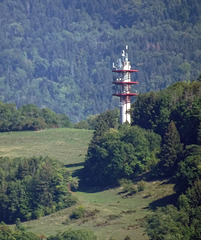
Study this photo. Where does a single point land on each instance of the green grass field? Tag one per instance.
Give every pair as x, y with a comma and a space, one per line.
115, 216
109, 213
66, 145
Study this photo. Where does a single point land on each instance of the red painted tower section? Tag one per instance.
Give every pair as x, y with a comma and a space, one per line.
123, 81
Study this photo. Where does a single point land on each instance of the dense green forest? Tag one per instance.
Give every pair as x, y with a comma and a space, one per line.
29, 117
34, 187
163, 142
58, 54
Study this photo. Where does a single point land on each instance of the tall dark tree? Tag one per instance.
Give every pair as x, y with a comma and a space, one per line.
104, 122
143, 113
170, 150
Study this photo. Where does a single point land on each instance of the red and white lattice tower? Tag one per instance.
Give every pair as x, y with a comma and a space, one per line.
124, 82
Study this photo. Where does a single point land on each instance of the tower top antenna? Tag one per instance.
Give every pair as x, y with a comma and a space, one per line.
126, 55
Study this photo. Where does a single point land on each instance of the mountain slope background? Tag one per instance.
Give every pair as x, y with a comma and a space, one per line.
58, 54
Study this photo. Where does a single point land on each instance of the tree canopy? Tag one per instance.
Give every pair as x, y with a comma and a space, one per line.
29, 117
122, 153
31, 188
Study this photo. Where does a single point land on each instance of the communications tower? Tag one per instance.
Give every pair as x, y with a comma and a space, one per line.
124, 82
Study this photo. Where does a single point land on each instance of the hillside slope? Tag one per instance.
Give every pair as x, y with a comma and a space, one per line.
58, 54
109, 213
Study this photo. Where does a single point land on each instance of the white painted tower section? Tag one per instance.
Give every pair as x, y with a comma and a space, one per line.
125, 104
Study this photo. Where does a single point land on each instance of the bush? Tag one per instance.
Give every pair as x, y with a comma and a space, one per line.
124, 181
141, 186
128, 186
78, 213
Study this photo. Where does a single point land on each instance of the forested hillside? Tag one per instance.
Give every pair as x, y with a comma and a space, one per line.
163, 142
58, 54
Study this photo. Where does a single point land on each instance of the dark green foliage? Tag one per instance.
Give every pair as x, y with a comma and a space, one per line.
194, 194
59, 53
170, 150
6, 233
29, 117
189, 168
187, 114
104, 122
91, 122
81, 125
183, 223
168, 223
78, 213
180, 103
32, 188
122, 153
175, 113
127, 187
74, 235
19, 225
145, 115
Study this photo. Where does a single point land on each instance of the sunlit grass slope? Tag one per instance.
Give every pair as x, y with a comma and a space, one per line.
66, 145
110, 214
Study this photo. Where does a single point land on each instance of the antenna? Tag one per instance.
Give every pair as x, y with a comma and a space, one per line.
123, 53
126, 56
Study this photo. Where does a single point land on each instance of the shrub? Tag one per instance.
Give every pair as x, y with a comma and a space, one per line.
78, 213
141, 186
128, 186
124, 181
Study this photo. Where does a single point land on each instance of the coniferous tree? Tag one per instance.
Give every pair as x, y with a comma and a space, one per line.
170, 150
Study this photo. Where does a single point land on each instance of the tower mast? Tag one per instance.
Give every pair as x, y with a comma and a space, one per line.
123, 81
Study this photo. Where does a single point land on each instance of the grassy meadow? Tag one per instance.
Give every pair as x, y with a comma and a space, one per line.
110, 213
66, 145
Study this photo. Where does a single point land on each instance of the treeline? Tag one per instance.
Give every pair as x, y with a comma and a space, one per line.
19, 233
59, 53
34, 187
176, 114
163, 141
29, 117
179, 103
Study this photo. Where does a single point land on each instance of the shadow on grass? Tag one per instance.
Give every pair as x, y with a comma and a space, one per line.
84, 187
74, 165
162, 202
84, 184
